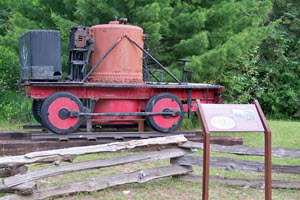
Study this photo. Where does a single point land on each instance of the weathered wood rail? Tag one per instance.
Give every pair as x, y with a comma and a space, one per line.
235, 164
93, 164
279, 152
18, 180
242, 182
95, 184
21, 142
60, 155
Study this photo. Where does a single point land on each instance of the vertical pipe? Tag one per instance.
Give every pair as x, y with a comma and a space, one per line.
189, 91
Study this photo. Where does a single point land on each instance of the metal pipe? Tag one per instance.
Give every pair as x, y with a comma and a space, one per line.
88, 55
148, 54
189, 91
151, 73
174, 114
111, 48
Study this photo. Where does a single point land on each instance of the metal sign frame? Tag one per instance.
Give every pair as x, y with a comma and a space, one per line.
206, 148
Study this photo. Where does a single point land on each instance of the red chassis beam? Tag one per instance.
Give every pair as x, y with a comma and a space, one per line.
143, 94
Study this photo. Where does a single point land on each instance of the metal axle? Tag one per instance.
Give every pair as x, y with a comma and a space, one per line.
173, 113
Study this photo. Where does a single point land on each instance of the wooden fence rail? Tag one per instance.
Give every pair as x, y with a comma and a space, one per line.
69, 154
279, 152
5, 172
95, 184
93, 164
235, 164
20, 182
242, 182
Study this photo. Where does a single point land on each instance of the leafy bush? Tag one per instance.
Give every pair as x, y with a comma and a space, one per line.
9, 74
9, 69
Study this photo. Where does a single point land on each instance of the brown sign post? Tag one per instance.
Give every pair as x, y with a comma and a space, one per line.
233, 118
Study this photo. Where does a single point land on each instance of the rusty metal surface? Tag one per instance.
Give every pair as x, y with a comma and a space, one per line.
128, 85
124, 63
80, 38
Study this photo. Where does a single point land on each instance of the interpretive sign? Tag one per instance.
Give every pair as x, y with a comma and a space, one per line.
232, 118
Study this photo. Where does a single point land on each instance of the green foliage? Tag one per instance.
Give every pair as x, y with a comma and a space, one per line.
8, 69
10, 107
231, 42
270, 72
4, 15
8, 79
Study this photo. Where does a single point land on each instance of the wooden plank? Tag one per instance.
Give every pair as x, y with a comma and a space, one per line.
242, 182
220, 140
60, 154
279, 152
5, 172
24, 189
100, 183
94, 164
80, 135
206, 148
235, 164
268, 152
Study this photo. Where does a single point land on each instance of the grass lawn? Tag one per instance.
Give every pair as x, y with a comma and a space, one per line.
284, 134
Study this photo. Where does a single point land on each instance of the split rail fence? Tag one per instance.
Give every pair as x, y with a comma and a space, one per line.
16, 178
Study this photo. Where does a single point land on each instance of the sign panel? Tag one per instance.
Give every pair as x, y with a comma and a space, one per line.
232, 118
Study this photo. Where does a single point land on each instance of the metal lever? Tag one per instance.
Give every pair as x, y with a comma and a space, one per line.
185, 71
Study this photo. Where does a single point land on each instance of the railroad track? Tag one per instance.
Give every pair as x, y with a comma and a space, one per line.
21, 142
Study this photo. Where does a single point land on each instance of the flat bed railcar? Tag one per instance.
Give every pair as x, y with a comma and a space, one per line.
114, 90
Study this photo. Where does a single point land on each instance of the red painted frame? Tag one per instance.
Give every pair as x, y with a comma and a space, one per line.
127, 95
143, 94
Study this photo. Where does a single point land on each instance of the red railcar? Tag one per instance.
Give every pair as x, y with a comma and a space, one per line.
117, 87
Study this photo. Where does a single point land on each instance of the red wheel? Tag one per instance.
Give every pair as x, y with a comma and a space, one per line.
164, 102
56, 110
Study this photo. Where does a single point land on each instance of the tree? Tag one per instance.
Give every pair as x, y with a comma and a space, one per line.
4, 17
270, 72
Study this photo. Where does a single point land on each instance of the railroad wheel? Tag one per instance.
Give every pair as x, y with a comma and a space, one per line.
56, 109
36, 109
164, 102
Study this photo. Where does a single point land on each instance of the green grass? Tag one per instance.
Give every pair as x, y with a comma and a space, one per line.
9, 125
284, 134
15, 124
